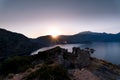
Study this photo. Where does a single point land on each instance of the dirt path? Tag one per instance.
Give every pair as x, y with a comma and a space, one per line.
82, 75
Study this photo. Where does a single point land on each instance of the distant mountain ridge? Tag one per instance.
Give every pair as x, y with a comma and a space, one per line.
98, 37
12, 43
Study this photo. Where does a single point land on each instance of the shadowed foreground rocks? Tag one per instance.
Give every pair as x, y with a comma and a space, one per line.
59, 64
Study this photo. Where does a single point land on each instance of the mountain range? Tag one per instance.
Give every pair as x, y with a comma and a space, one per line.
12, 43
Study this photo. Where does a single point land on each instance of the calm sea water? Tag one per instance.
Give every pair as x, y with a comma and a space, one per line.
107, 51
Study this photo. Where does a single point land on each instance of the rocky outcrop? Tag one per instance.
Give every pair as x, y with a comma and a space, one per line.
77, 59
83, 67
78, 65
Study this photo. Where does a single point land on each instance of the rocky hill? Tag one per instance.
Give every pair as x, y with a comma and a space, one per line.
59, 64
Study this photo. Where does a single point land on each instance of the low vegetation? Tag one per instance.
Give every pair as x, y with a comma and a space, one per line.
56, 64
49, 73
15, 64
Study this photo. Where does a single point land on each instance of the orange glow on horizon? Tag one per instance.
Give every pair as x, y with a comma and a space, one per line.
54, 32
54, 36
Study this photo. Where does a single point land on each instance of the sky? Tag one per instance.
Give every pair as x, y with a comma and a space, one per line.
35, 18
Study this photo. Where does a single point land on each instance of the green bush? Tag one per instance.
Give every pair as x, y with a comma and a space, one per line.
15, 64
49, 73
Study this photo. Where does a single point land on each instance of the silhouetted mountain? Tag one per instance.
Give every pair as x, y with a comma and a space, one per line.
85, 32
87, 36
15, 44
83, 37
45, 40
96, 37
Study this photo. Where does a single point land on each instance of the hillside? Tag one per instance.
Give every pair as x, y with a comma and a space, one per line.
59, 64
12, 44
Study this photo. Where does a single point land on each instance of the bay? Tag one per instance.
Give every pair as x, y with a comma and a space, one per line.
109, 51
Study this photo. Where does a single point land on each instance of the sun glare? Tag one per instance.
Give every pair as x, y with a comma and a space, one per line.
54, 32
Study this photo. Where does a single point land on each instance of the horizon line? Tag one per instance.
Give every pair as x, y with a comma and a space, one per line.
60, 34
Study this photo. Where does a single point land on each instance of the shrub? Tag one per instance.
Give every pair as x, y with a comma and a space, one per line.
15, 64
10, 76
49, 73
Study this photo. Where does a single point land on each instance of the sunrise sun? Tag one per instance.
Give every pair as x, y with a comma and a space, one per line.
54, 32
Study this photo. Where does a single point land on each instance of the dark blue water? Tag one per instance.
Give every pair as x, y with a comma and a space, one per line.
107, 51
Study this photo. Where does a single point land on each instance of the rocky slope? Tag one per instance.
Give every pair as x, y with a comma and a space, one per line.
59, 64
